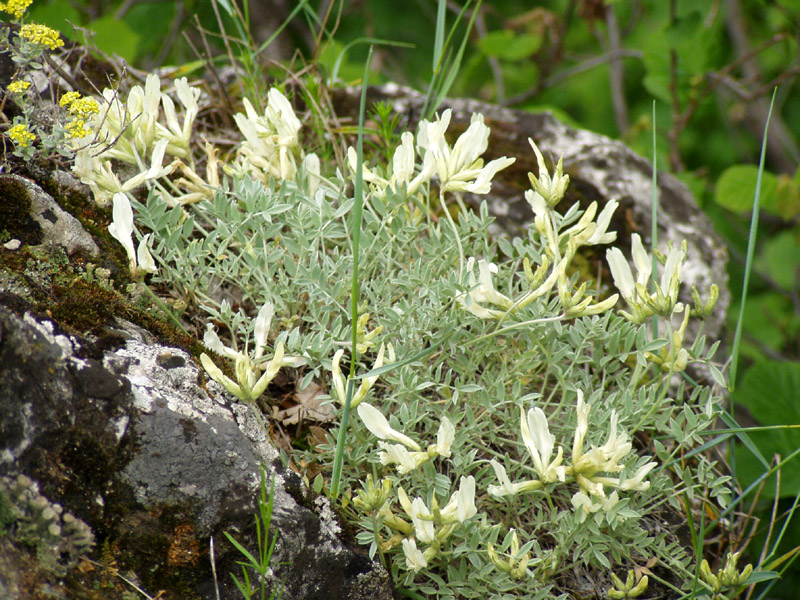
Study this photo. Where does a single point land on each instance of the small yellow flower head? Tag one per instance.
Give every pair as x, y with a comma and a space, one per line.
68, 99
77, 129
18, 86
84, 107
21, 135
16, 8
41, 35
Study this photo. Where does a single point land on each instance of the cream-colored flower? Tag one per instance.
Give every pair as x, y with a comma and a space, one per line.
482, 292
462, 503
415, 559
380, 428
540, 443
144, 258
253, 373
460, 169
637, 483
444, 437
271, 140
506, 488
422, 518
643, 303
121, 227
396, 454
550, 189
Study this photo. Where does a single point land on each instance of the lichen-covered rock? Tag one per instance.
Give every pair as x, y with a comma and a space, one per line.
25, 203
137, 449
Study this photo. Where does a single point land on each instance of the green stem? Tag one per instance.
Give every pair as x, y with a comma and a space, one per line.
358, 197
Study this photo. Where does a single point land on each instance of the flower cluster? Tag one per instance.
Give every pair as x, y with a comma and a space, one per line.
459, 168
561, 245
18, 86
431, 525
16, 8
408, 454
253, 372
271, 143
80, 109
515, 563
588, 469
728, 577
130, 132
41, 35
21, 135
663, 301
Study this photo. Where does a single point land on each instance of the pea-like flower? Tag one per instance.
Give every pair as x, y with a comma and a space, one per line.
550, 189
482, 292
407, 454
271, 140
663, 301
460, 168
462, 503
506, 487
415, 559
253, 374
540, 442
380, 428
339, 383
121, 229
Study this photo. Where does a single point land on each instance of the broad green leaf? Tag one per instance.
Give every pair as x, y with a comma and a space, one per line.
684, 29
736, 188
57, 14
766, 320
780, 258
787, 203
769, 390
507, 45
115, 37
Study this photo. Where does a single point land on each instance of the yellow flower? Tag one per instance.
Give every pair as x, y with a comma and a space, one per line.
77, 128
18, 86
84, 107
41, 35
81, 109
16, 8
21, 135
68, 98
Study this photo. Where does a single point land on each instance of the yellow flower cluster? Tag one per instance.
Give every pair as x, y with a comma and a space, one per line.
21, 135
16, 8
41, 35
18, 86
80, 109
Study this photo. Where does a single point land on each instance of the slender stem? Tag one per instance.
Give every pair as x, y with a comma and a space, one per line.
455, 233
751, 248
358, 196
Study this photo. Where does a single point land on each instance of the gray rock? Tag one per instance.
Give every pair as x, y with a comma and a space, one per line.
136, 448
57, 226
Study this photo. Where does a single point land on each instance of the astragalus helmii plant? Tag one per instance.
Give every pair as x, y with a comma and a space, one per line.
520, 428
518, 431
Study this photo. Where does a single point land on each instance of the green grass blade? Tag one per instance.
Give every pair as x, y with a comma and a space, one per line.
438, 42
654, 219
358, 196
446, 70
362, 40
751, 248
